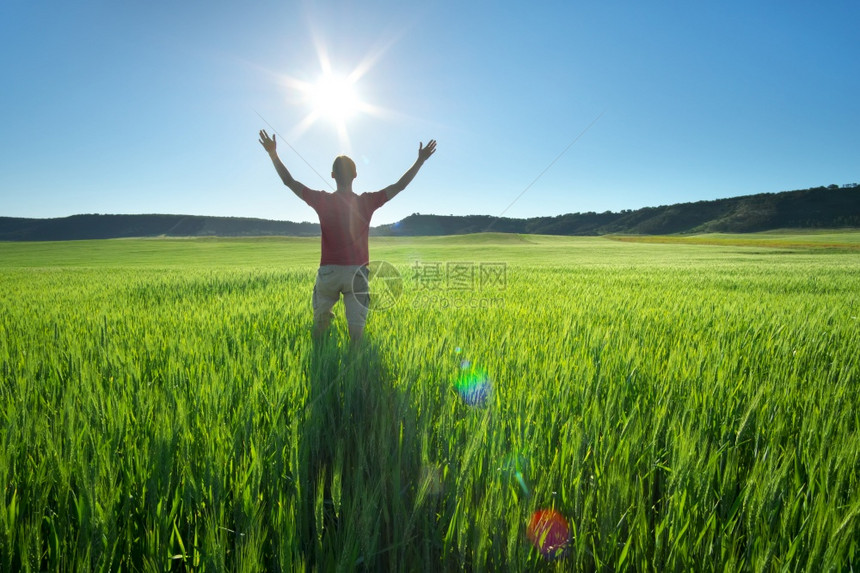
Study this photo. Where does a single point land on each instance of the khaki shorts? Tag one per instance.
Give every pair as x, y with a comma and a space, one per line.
349, 280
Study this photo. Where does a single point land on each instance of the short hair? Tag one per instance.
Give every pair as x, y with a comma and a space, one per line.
343, 168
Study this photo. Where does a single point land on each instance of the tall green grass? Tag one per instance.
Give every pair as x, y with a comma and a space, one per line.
164, 408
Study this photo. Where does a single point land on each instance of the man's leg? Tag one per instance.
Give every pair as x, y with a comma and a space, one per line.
356, 331
356, 303
321, 324
326, 294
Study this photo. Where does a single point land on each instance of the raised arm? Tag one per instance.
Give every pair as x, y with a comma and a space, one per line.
424, 154
270, 144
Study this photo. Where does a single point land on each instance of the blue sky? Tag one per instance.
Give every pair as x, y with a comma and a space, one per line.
154, 107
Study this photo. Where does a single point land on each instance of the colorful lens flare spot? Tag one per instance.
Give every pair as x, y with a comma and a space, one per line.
549, 533
473, 385
515, 470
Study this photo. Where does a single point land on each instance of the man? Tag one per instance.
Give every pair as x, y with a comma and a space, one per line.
345, 224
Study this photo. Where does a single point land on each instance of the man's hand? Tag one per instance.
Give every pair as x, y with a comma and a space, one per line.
270, 144
424, 153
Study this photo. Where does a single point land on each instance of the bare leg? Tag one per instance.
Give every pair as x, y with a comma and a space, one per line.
356, 305
321, 324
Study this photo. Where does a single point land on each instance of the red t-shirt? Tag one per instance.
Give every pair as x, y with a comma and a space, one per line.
345, 224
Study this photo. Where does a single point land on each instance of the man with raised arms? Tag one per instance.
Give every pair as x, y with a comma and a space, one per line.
345, 224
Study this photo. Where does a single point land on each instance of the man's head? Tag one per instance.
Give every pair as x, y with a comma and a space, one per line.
343, 170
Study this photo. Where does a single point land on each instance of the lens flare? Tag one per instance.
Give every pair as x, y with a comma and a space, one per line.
473, 384
431, 480
549, 533
334, 98
515, 471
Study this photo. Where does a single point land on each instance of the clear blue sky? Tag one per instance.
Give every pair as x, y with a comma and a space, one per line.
154, 107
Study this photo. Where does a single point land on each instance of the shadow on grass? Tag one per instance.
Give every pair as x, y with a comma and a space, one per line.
360, 501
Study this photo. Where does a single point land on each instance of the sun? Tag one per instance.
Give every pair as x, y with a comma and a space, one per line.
333, 98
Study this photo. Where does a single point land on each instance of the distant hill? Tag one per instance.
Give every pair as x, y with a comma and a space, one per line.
123, 226
819, 207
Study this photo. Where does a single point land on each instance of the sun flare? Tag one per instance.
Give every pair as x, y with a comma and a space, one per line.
333, 98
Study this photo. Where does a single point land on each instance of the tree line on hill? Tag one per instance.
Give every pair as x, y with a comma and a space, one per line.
95, 226
818, 207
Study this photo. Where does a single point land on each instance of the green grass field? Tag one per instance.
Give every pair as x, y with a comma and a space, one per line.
686, 405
